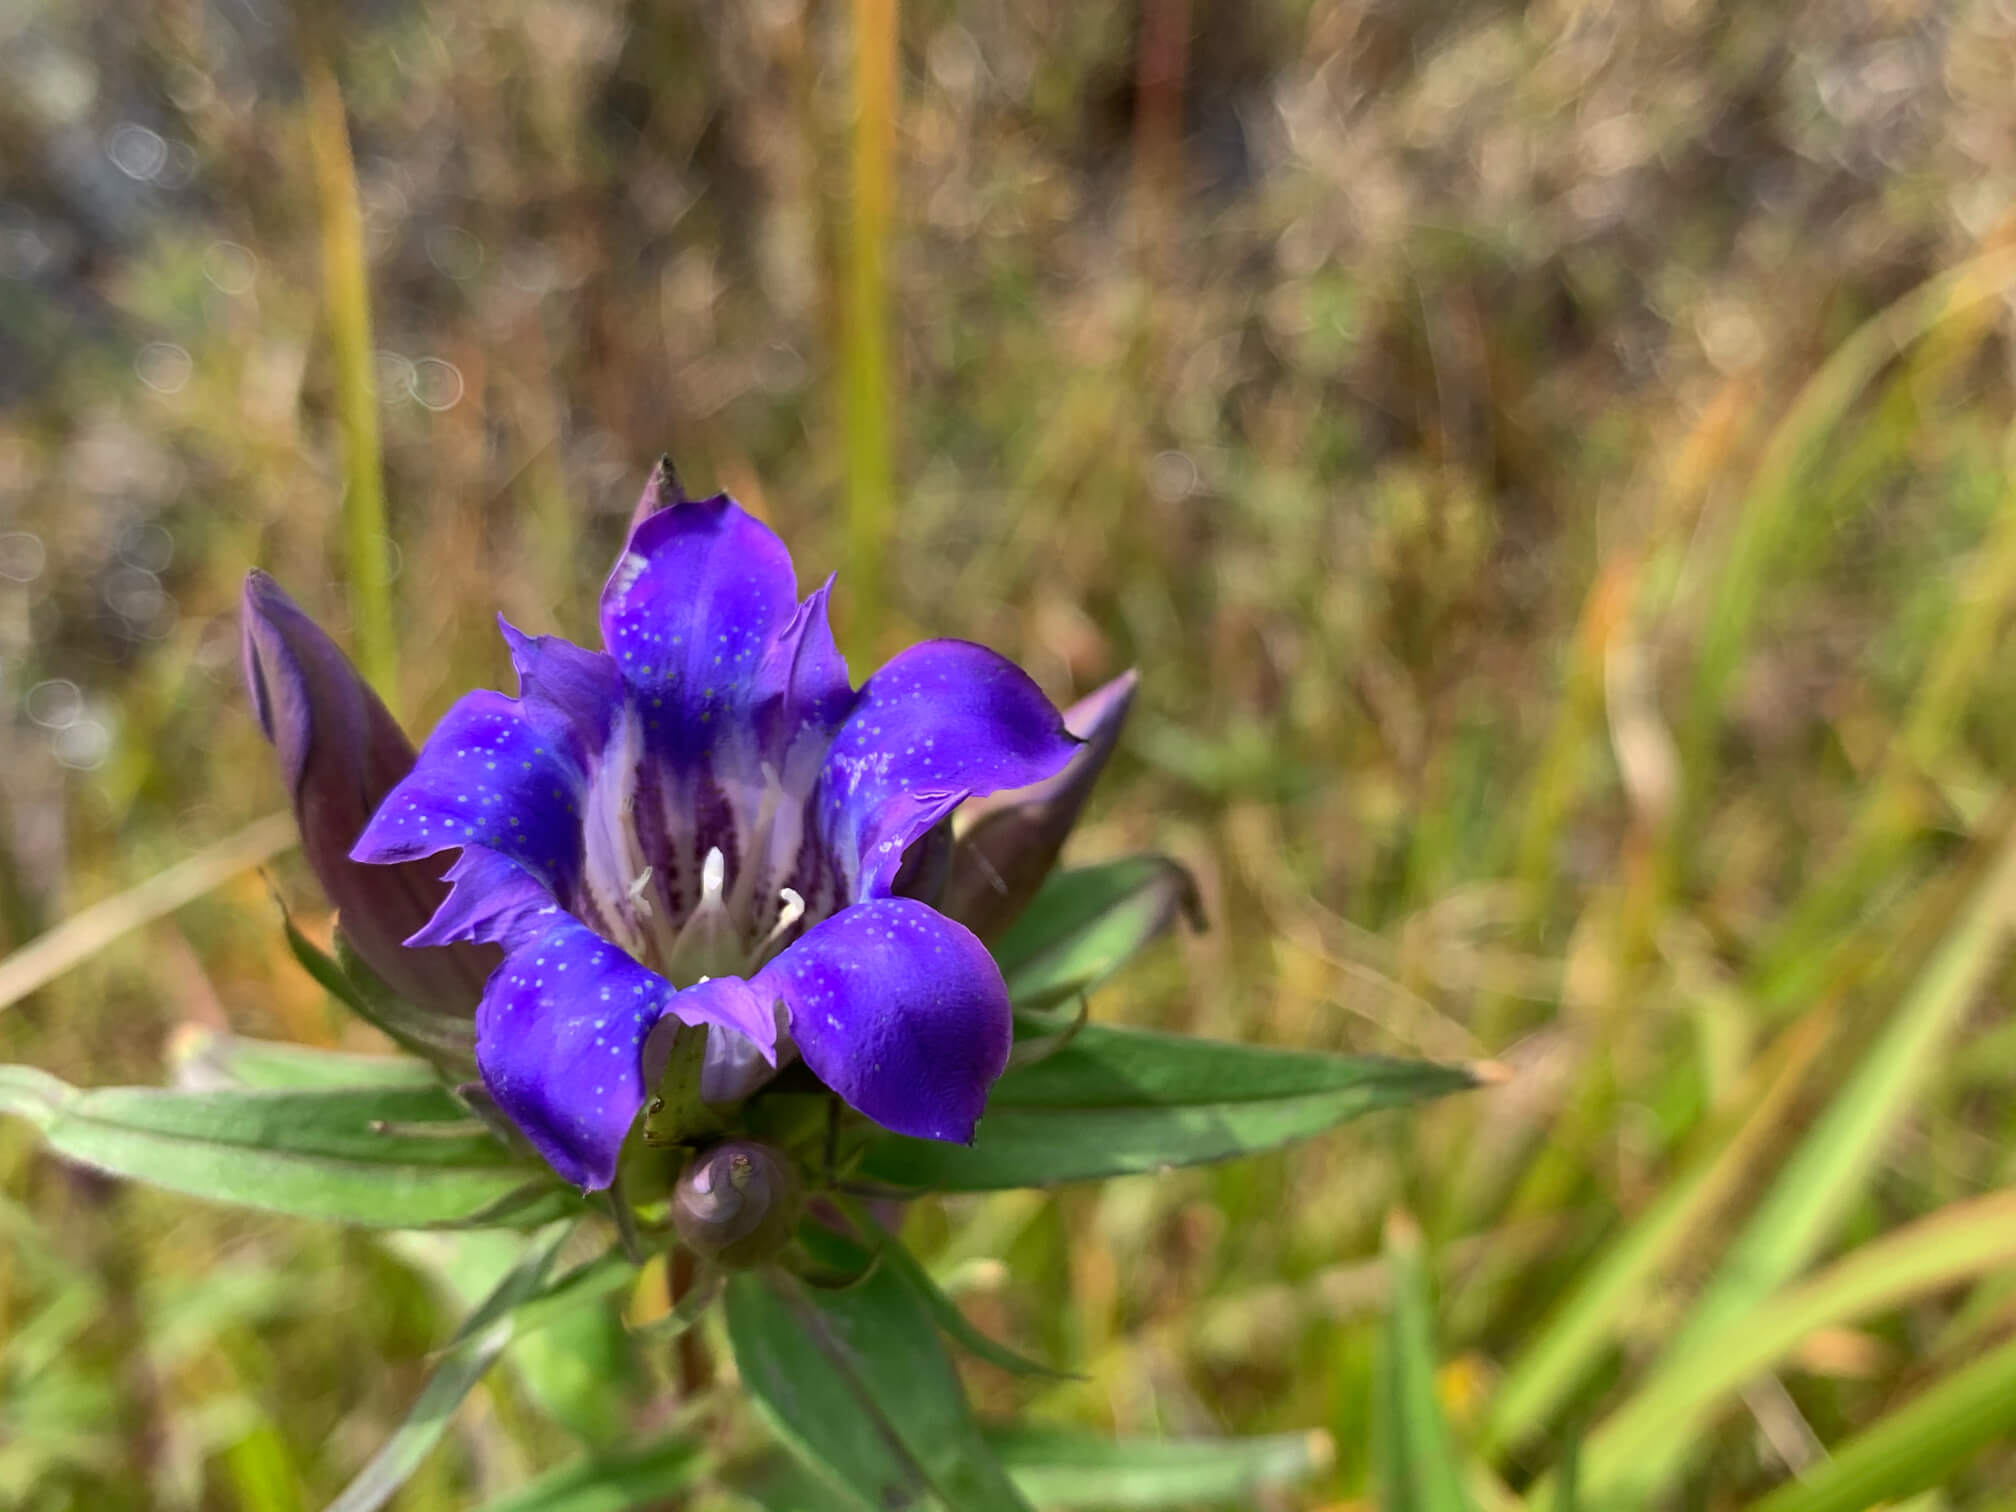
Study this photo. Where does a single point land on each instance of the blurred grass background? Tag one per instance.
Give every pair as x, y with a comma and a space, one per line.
1552, 465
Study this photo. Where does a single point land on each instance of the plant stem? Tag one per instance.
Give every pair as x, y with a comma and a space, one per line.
864, 324
348, 296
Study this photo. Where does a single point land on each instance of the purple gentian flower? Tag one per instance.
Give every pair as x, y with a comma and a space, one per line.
707, 821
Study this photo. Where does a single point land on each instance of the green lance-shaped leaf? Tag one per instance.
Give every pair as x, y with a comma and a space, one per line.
482, 1337
857, 1385
890, 1251
1418, 1468
1086, 924
205, 1060
611, 1482
1061, 1471
1115, 1102
383, 1157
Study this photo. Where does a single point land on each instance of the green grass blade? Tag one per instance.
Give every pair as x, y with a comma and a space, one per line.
1418, 1466
465, 1361
1771, 506
1832, 1164
1915, 1447
1573, 1340
1061, 1471
1632, 1454
1892, 812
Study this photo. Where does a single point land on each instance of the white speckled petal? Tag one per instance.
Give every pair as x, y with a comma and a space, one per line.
942, 721
900, 1011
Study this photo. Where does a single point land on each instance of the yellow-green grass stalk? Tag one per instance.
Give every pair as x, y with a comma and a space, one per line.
1770, 507
1824, 1176
1601, 1309
347, 300
1894, 809
1632, 1454
864, 323
1915, 1447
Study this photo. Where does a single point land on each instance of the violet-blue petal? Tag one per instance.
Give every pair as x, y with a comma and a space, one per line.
560, 1041
689, 614
802, 690
900, 1011
492, 898
486, 776
943, 720
568, 688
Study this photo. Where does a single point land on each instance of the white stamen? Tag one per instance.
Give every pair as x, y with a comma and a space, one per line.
638, 886
790, 914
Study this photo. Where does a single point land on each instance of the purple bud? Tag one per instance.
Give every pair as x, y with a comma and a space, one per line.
737, 1204
340, 753
1010, 840
661, 491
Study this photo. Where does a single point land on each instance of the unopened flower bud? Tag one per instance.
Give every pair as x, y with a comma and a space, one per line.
1010, 840
340, 753
661, 491
737, 1204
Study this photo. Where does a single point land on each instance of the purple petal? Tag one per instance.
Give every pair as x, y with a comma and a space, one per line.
487, 776
941, 722
565, 688
341, 752
802, 690
689, 615
900, 1011
560, 1040
493, 898
1009, 841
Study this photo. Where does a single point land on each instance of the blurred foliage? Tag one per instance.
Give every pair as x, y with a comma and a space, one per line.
1572, 619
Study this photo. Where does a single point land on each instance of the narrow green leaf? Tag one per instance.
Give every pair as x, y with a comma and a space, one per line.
468, 1357
589, 1282
385, 1157
1086, 924
1916, 1447
1115, 1102
857, 1384
206, 1059
611, 1482
1062, 1471
952, 1322
1418, 1467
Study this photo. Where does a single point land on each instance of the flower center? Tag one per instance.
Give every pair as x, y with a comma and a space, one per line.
712, 941
631, 897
